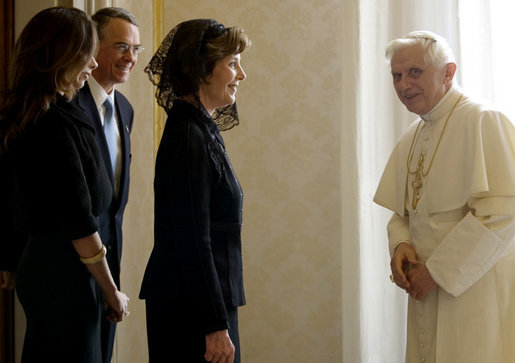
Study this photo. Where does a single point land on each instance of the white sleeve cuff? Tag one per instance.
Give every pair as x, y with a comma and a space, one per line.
398, 232
465, 255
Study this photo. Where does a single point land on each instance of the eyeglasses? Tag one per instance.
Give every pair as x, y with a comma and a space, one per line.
124, 48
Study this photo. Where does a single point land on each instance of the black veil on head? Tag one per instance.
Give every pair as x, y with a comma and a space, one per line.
179, 65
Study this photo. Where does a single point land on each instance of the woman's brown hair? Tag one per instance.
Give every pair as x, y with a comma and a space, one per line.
48, 56
232, 41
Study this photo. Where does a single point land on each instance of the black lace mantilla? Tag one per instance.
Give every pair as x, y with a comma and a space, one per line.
182, 48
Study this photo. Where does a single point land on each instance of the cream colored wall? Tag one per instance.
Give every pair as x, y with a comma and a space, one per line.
293, 154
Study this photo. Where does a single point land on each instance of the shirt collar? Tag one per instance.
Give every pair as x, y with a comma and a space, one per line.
98, 92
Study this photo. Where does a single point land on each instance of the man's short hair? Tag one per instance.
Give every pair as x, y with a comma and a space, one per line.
104, 15
437, 49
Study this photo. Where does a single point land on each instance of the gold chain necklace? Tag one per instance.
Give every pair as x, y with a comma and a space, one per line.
417, 183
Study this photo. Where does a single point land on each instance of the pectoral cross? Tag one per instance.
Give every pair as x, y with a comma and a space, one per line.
417, 183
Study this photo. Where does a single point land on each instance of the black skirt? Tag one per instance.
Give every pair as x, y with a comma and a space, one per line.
61, 302
175, 335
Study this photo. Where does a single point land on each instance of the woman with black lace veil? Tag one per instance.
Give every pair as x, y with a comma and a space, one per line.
193, 282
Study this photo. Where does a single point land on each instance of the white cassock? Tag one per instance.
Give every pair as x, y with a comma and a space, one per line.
462, 227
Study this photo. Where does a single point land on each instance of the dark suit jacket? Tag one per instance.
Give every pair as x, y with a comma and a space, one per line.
51, 183
110, 221
196, 259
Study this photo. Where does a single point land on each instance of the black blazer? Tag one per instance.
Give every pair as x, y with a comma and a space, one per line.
52, 184
196, 259
110, 221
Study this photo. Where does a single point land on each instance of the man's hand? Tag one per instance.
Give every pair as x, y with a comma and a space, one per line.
421, 282
403, 258
219, 348
7, 280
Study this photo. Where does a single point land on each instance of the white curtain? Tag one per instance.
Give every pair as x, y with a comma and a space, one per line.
487, 51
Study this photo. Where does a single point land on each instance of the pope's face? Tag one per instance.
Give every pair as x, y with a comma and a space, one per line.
419, 85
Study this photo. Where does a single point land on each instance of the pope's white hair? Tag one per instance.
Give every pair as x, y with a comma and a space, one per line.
437, 49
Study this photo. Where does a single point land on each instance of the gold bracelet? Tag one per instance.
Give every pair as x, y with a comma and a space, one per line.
94, 259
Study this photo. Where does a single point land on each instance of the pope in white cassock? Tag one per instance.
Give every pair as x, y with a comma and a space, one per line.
450, 182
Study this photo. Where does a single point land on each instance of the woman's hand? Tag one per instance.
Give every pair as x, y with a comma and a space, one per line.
219, 348
90, 247
116, 303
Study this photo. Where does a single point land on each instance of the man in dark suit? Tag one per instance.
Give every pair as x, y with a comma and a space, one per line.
118, 52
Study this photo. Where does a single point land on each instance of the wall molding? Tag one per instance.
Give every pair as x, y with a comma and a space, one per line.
157, 37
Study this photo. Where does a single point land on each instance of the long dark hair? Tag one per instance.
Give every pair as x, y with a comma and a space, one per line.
48, 56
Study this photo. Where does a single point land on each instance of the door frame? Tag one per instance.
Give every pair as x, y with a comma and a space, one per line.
6, 296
